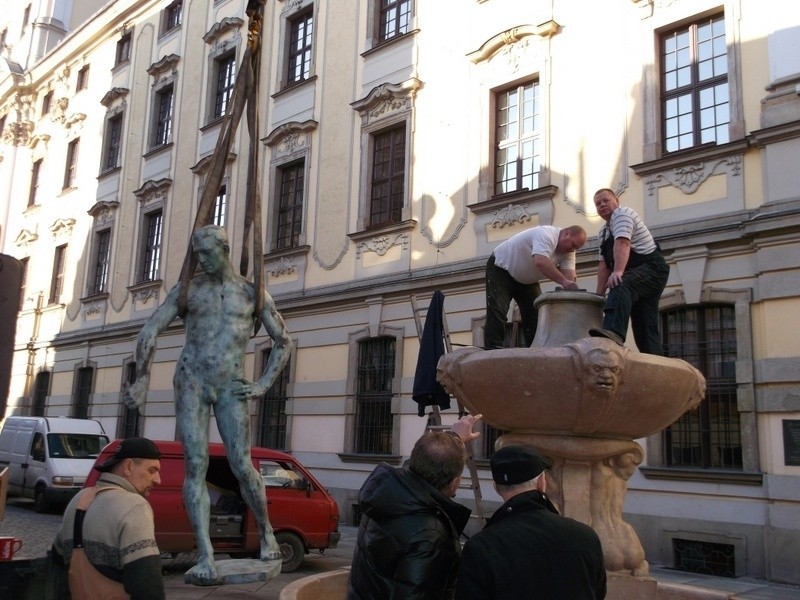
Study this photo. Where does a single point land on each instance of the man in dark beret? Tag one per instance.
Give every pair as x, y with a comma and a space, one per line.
527, 550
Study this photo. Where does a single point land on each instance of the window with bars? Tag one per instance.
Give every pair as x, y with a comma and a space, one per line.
173, 16
71, 167
220, 206
387, 194
518, 138
375, 375
708, 437
225, 71
162, 124
272, 413
394, 18
57, 279
83, 390
102, 254
123, 54
36, 172
290, 205
151, 246
130, 425
301, 34
113, 143
41, 388
694, 85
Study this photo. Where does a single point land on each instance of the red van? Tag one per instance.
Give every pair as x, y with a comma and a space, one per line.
301, 511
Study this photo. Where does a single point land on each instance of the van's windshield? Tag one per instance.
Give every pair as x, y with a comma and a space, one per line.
75, 445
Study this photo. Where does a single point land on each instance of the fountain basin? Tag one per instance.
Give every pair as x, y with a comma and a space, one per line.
591, 387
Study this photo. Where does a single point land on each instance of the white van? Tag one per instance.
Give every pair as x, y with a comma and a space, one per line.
49, 458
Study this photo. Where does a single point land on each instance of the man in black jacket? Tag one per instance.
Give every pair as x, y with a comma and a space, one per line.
407, 545
527, 551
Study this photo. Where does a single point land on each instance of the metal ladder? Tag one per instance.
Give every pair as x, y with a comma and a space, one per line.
434, 422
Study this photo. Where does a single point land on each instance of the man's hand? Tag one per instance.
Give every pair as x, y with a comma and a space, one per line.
463, 427
614, 280
136, 393
569, 285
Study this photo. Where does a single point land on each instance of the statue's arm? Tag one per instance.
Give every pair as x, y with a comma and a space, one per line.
136, 393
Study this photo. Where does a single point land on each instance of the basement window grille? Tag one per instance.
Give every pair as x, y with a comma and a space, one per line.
707, 558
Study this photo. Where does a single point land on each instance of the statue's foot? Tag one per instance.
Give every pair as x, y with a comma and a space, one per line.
270, 549
203, 573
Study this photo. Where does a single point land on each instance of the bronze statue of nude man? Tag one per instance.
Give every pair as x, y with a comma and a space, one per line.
210, 372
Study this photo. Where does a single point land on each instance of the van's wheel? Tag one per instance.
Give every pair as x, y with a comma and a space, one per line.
292, 549
40, 504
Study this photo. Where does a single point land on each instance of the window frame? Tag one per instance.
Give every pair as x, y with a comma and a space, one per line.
123, 49
47, 103
536, 137
71, 167
383, 10
36, 173
24, 263
163, 114
82, 79
152, 240
396, 133
380, 441
695, 88
84, 383
296, 204
225, 71
273, 420
101, 263
41, 389
220, 214
299, 24
57, 276
112, 146
172, 18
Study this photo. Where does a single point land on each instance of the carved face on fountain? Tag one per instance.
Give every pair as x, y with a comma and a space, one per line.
604, 370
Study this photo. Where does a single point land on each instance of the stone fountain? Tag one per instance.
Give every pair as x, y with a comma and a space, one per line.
582, 401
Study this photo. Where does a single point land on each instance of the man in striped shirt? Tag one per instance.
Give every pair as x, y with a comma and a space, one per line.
634, 272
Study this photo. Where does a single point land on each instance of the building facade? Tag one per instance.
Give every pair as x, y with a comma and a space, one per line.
399, 142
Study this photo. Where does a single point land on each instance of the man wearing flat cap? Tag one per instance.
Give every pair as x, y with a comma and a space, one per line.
527, 550
118, 531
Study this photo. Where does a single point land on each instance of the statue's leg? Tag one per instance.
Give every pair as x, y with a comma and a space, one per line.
192, 414
233, 422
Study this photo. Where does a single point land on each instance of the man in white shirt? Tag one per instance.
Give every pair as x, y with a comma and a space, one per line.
633, 271
515, 269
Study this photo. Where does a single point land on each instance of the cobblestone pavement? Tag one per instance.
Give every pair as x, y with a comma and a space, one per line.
38, 530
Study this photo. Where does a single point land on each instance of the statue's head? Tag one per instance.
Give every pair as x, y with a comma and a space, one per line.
604, 368
211, 248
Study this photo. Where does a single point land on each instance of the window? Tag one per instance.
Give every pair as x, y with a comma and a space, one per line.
113, 143
102, 254
123, 49
518, 142
173, 16
290, 205
41, 387
3, 35
709, 436
57, 279
226, 79
26, 17
162, 128
694, 80
301, 30
72, 164
272, 417
47, 103
83, 79
394, 18
220, 206
83, 389
373, 423
36, 172
151, 249
388, 176
130, 425
23, 280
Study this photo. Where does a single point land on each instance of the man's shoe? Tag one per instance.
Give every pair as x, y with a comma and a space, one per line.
607, 333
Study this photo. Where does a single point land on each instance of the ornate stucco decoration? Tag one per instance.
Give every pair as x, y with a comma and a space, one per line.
386, 99
283, 266
58, 113
25, 238
204, 163
164, 68
113, 95
220, 29
144, 294
74, 119
103, 211
93, 307
511, 36
39, 137
18, 133
289, 137
382, 244
511, 215
62, 227
153, 190
689, 178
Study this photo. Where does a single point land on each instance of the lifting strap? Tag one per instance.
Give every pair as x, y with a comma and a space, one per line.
245, 91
